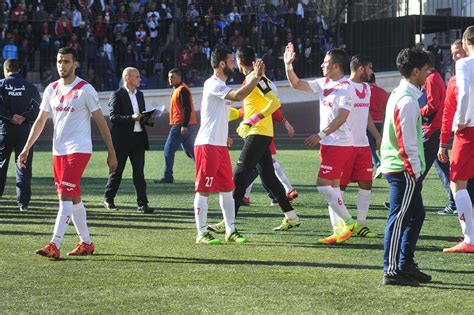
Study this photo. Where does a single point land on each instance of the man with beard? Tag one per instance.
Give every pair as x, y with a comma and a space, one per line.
359, 167
213, 165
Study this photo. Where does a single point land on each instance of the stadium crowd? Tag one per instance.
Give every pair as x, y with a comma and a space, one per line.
110, 35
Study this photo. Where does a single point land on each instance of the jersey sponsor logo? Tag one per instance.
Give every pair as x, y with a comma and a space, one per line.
68, 184
64, 109
326, 167
361, 105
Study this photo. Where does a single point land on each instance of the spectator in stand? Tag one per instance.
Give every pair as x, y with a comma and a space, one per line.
131, 58
100, 29
109, 50
110, 81
45, 53
153, 29
63, 28
76, 19
92, 51
10, 50
378, 102
308, 57
193, 13
140, 35
147, 60
236, 40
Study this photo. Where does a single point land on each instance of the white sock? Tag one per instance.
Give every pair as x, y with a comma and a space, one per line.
336, 221
291, 215
335, 201
363, 204
200, 213
226, 201
280, 173
464, 207
248, 191
62, 221
79, 218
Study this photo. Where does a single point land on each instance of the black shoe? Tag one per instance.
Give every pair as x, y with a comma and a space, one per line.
164, 180
412, 271
22, 207
399, 279
110, 205
386, 205
145, 209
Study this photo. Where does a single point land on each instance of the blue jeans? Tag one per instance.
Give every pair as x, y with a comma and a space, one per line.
404, 221
173, 142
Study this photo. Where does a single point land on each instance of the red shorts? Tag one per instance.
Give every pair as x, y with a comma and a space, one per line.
213, 169
358, 167
333, 159
68, 170
462, 155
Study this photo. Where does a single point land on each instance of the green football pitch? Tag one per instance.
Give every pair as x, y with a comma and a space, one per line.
150, 263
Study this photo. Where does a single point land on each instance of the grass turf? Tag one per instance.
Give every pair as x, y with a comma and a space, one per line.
150, 264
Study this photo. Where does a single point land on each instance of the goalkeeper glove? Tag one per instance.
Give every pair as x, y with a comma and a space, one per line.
243, 129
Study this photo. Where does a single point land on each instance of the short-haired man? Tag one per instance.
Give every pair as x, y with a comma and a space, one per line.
337, 143
182, 121
403, 163
359, 166
257, 131
462, 155
19, 107
213, 165
71, 101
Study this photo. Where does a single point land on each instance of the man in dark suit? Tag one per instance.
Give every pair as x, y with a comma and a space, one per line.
129, 137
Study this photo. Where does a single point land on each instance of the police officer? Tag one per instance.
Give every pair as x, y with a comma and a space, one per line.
19, 106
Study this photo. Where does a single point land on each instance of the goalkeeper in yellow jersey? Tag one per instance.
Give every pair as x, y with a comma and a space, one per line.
257, 131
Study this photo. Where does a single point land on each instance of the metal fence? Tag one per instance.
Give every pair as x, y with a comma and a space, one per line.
155, 37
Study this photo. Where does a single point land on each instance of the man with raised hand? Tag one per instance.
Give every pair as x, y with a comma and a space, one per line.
336, 103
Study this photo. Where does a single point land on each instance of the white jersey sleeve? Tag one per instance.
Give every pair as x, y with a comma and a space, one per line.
220, 90
45, 105
316, 85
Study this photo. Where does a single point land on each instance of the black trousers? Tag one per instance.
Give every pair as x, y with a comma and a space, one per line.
13, 138
135, 150
256, 153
